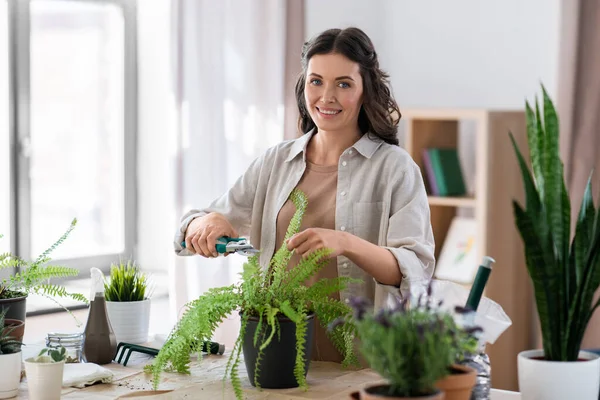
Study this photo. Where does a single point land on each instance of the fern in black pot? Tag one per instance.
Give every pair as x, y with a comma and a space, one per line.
277, 319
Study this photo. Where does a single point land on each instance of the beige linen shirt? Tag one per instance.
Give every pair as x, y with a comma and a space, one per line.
380, 198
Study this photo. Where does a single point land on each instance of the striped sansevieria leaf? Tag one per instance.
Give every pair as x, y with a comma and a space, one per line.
565, 270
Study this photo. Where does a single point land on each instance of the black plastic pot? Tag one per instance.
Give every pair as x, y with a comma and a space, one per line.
17, 307
276, 369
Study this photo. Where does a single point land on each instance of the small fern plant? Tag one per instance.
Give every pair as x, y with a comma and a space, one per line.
34, 277
266, 294
127, 283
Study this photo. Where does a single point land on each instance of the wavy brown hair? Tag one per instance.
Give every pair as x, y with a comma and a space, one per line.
379, 114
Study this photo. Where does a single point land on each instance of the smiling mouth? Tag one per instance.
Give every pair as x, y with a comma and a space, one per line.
329, 111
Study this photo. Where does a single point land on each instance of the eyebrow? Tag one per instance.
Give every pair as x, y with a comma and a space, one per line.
337, 79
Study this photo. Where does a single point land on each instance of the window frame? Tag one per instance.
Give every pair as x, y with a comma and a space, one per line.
20, 128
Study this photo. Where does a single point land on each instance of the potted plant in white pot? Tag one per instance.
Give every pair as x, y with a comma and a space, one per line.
45, 373
277, 319
10, 360
413, 347
34, 278
128, 302
565, 272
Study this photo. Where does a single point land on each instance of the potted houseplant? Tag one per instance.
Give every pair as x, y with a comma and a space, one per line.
128, 302
10, 361
33, 277
414, 347
45, 373
565, 272
277, 319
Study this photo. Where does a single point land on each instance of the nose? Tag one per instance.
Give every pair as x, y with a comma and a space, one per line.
328, 95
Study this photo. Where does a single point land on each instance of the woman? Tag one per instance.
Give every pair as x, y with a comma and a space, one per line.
366, 197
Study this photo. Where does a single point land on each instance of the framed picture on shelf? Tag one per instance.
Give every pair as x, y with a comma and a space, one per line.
458, 258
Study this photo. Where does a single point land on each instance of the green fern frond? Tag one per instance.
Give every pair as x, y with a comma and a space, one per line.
58, 291
279, 262
301, 329
327, 287
46, 253
308, 267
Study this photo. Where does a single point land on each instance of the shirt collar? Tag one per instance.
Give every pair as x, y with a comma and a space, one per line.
366, 145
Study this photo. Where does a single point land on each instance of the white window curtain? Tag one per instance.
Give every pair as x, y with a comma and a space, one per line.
230, 79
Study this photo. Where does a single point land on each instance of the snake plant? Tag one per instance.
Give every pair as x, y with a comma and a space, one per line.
564, 268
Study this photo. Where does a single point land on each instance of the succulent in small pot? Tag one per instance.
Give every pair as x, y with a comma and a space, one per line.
412, 346
10, 360
45, 373
128, 302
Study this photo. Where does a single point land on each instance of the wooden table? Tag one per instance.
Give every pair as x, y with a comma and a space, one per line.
326, 381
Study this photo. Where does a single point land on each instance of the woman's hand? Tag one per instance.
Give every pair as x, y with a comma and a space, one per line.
202, 234
313, 239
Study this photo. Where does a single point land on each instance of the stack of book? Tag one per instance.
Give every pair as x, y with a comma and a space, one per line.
443, 174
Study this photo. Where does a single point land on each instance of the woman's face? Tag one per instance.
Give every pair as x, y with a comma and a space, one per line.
333, 92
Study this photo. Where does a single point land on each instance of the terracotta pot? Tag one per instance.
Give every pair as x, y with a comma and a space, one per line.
18, 328
459, 384
371, 393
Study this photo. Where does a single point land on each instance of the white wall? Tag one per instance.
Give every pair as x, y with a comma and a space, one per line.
459, 53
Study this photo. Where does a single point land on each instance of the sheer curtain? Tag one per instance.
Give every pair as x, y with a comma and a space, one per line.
230, 77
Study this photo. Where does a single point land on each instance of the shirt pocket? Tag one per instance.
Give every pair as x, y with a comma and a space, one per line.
368, 219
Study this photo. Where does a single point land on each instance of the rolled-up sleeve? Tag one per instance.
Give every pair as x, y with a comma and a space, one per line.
409, 233
235, 204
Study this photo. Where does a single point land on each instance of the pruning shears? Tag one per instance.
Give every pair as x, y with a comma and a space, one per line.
233, 245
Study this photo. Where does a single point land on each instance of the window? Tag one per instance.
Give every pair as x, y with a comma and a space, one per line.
75, 121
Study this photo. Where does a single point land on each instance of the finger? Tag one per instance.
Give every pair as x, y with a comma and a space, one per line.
195, 243
306, 248
204, 244
188, 243
297, 240
211, 242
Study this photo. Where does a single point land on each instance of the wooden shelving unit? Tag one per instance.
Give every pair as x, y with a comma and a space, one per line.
497, 183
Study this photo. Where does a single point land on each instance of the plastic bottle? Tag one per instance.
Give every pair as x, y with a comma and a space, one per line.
100, 342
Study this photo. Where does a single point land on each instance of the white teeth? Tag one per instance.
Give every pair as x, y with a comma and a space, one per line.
330, 112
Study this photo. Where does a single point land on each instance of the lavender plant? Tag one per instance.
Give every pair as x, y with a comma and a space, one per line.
412, 347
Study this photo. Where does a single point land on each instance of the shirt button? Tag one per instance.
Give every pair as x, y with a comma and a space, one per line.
344, 163
345, 265
343, 193
351, 152
343, 228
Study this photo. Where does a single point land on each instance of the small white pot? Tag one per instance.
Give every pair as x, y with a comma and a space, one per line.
44, 379
10, 378
556, 380
130, 320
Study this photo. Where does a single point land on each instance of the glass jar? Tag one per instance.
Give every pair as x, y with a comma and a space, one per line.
72, 342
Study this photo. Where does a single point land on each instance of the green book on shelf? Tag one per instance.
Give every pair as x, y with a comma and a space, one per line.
447, 171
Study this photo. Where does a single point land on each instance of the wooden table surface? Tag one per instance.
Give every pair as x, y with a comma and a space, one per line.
326, 381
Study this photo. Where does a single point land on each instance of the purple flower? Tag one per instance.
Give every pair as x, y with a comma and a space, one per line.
359, 305
382, 319
462, 310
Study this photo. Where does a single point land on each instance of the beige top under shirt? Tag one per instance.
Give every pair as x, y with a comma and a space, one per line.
319, 184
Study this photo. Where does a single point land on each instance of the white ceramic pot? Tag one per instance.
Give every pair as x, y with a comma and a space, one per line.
10, 378
129, 320
44, 379
555, 380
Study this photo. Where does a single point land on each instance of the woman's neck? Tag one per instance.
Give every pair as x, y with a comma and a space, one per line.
326, 147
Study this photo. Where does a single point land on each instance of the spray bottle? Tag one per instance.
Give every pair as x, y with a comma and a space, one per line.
100, 342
